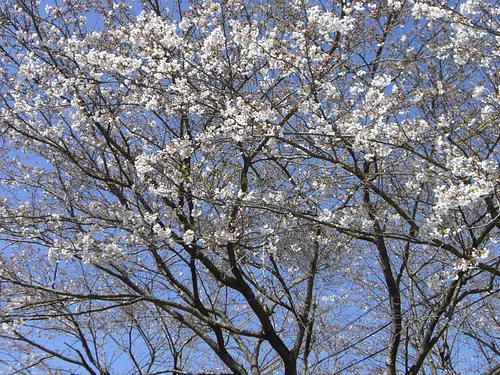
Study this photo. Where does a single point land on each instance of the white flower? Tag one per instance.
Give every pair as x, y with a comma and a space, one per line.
188, 237
162, 233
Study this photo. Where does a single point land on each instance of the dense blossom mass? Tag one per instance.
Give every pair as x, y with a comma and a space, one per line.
250, 187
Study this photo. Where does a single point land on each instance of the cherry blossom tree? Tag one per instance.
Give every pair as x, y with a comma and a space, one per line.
250, 187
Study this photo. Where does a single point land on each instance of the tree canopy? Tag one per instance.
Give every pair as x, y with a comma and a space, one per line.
250, 187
